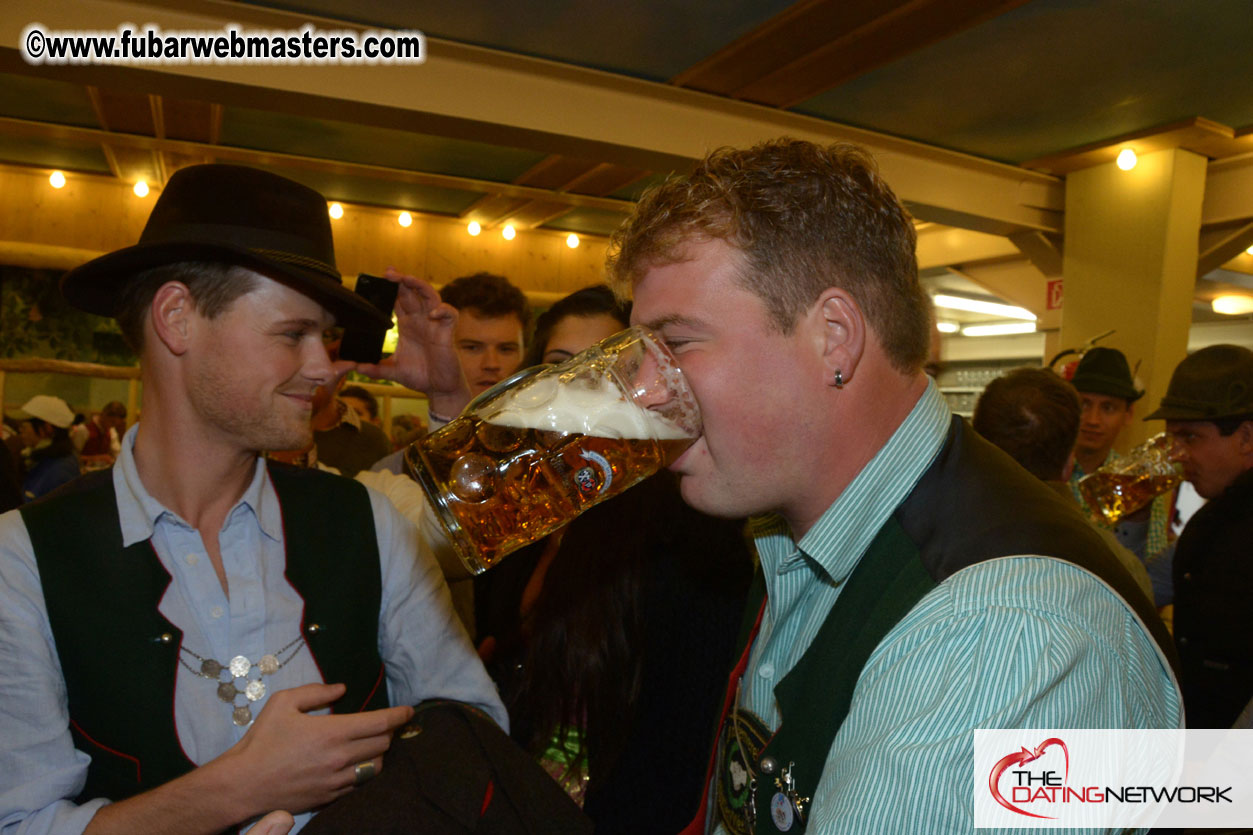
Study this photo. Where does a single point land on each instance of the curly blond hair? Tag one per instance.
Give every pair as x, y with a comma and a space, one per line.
805, 217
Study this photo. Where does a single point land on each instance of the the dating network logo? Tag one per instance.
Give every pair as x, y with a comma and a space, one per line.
1028, 786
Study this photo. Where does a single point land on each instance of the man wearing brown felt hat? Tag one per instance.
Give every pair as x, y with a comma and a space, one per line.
1208, 409
169, 658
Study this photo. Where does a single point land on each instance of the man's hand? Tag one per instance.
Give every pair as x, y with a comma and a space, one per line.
291, 760
425, 359
287, 762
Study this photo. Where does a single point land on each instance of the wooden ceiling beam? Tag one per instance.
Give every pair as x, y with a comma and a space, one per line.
814, 46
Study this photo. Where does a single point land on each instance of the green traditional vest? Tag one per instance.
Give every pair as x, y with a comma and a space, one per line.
119, 655
972, 504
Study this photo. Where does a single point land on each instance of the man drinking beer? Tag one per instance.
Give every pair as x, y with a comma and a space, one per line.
916, 583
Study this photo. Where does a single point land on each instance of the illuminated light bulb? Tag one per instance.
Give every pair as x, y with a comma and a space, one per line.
572, 241
405, 219
57, 179
1233, 305
336, 210
947, 327
141, 189
1126, 159
474, 229
509, 232
1249, 250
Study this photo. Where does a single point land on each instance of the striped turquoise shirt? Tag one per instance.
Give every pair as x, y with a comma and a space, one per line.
1019, 641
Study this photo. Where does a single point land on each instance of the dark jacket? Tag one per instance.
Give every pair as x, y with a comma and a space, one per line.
1213, 618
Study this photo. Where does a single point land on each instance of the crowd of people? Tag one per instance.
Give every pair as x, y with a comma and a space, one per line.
824, 596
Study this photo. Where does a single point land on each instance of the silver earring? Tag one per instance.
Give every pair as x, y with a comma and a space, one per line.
839, 379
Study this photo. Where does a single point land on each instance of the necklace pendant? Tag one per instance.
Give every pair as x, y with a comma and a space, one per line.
255, 690
240, 666
242, 716
210, 668
227, 691
268, 665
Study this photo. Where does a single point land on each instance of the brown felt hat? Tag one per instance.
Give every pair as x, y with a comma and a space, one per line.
234, 215
1215, 382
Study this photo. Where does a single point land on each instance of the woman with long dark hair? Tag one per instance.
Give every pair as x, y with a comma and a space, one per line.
612, 640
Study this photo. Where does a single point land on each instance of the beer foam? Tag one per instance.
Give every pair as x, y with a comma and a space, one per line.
601, 411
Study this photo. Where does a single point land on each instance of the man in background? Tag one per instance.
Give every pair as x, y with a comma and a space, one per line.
105, 430
48, 457
1208, 409
1105, 385
1033, 415
493, 317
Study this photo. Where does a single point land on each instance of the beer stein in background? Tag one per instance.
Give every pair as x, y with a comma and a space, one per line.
1126, 484
536, 450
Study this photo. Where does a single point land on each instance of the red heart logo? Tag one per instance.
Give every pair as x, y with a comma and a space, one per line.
1023, 757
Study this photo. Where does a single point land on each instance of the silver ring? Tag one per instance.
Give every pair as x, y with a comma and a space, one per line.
362, 772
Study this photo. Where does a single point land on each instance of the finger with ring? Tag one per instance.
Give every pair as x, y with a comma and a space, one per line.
362, 772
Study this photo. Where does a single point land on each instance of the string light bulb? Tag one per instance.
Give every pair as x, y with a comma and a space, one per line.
473, 228
1126, 159
336, 211
405, 219
141, 188
57, 180
572, 241
509, 232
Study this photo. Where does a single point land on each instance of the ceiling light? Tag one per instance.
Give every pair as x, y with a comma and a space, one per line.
1003, 329
1009, 311
947, 327
473, 228
141, 189
509, 232
405, 219
572, 241
57, 179
1126, 159
1233, 305
336, 210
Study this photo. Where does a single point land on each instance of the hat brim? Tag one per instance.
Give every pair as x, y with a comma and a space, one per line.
1109, 386
96, 286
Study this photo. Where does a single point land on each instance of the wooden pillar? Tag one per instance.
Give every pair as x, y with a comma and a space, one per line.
1130, 264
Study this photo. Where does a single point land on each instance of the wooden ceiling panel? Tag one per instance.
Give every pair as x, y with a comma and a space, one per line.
800, 30
606, 178
555, 172
536, 213
193, 121
123, 112
492, 208
900, 31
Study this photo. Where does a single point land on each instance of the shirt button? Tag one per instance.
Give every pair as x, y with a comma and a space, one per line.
216, 611
191, 559
766, 670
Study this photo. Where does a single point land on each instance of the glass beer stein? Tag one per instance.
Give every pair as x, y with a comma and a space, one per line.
536, 450
1126, 484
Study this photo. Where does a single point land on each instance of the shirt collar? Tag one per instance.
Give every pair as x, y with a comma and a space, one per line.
846, 529
139, 512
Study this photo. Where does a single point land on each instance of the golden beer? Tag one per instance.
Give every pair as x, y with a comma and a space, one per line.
533, 453
1114, 495
1124, 485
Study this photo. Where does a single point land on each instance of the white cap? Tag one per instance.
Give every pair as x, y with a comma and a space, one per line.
49, 409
